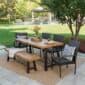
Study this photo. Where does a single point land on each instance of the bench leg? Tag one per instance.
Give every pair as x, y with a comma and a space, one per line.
28, 67
14, 57
34, 64
7, 58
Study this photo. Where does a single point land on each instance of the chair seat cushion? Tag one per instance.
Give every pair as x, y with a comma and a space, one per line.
21, 36
62, 61
12, 51
56, 49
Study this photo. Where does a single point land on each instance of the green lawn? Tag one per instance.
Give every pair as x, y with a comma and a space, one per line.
7, 32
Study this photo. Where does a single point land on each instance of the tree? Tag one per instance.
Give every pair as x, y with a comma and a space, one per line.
7, 9
24, 8
21, 9
71, 12
12, 9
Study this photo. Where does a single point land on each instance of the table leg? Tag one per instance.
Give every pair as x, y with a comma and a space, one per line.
45, 60
30, 49
58, 54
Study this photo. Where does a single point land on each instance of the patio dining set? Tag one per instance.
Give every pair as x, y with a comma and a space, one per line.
52, 51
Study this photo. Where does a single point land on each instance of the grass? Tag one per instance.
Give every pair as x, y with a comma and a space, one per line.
7, 32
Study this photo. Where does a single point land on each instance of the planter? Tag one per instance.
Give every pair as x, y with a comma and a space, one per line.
35, 39
82, 46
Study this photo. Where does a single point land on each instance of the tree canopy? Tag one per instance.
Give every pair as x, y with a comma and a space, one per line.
20, 8
69, 11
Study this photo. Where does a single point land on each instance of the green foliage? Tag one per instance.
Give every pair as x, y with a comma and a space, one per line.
7, 10
2, 9
63, 8
24, 7
21, 9
68, 11
4, 21
16, 8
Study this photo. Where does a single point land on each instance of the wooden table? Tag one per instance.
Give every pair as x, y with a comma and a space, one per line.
43, 44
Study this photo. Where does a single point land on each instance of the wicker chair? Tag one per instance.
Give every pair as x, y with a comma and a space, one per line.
59, 38
22, 35
63, 60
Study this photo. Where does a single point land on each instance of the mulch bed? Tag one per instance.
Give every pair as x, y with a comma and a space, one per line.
82, 46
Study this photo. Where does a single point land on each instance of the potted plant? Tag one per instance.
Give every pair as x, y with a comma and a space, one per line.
36, 30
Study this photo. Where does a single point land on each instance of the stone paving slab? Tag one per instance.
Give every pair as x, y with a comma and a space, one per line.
3, 53
10, 78
78, 79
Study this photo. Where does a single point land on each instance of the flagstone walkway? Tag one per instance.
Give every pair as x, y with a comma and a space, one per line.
10, 78
78, 79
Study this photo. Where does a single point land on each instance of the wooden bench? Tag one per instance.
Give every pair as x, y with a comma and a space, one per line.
28, 57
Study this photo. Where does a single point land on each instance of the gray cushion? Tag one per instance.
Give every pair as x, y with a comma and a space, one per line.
12, 51
21, 36
68, 50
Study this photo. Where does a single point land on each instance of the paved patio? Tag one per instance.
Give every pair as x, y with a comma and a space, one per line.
78, 79
14, 73
11, 78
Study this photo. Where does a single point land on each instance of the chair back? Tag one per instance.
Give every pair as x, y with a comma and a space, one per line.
21, 35
59, 38
46, 35
74, 43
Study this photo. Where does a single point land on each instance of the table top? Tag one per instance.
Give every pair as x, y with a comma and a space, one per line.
43, 44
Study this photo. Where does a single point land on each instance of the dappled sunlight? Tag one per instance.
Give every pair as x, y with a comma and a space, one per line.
57, 28
13, 26
52, 28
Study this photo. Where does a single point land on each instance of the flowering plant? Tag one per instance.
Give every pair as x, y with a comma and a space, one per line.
36, 30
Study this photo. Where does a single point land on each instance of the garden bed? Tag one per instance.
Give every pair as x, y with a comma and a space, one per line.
82, 46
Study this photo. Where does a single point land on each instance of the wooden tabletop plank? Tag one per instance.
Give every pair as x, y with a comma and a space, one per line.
43, 44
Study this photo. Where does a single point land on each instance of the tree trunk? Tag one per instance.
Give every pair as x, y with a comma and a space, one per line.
70, 26
78, 25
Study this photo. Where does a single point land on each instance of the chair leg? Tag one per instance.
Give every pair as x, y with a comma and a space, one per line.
28, 67
7, 58
67, 66
58, 54
14, 58
75, 69
34, 64
52, 55
40, 53
60, 70
51, 62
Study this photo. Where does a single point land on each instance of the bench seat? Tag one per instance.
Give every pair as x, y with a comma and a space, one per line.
28, 57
